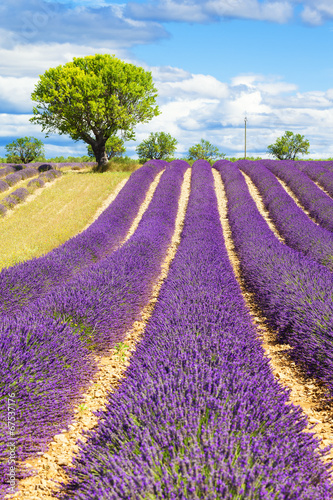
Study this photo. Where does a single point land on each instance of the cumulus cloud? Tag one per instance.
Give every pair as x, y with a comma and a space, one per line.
15, 94
196, 106
38, 21
33, 59
210, 10
272, 106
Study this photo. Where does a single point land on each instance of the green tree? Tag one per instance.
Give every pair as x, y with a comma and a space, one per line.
114, 147
204, 151
158, 146
25, 150
93, 97
289, 146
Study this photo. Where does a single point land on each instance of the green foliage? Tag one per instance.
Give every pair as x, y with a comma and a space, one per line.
158, 146
25, 150
69, 159
114, 147
288, 146
204, 151
123, 164
93, 97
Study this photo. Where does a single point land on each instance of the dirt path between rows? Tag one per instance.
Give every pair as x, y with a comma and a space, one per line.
63, 448
304, 392
261, 207
296, 200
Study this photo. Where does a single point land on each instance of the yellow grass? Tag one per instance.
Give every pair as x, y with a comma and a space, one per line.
55, 213
11, 189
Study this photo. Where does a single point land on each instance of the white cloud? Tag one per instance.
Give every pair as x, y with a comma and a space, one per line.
200, 11
15, 94
38, 21
32, 60
196, 106
271, 105
311, 16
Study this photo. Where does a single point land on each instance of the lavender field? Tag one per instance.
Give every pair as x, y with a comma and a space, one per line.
200, 413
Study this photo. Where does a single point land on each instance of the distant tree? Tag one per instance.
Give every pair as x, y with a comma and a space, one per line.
204, 151
25, 150
158, 146
289, 146
114, 148
93, 97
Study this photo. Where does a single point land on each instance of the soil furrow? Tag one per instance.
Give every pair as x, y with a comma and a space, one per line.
322, 188
111, 370
296, 200
307, 393
261, 207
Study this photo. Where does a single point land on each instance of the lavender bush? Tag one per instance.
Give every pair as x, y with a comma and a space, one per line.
13, 179
29, 172
10, 201
6, 170
3, 186
292, 223
47, 361
319, 204
34, 184
318, 173
293, 291
199, 414
32, 279
109, 295
3, 210
20, 194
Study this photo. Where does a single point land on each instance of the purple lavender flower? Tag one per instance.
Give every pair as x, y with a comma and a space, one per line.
199, 413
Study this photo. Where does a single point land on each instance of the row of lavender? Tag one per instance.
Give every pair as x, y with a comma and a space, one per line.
293, 291
22, 193
297, 229
47, 350
30, 280
318, 173
199, 414
314, 199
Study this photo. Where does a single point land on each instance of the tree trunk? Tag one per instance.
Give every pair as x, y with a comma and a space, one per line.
101, 157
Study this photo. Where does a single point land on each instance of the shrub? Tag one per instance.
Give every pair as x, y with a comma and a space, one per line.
20, 193
3, 186
13, 179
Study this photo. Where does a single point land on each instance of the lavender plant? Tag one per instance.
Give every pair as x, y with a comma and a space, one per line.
3, 186
46, 353
30, 280
13, 179
293, 291
199, 413
318, 203
299, 232
318, 172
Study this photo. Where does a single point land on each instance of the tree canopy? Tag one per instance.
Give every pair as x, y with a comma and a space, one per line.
289, 146
93, 97
25, 150
158, 146
204, 151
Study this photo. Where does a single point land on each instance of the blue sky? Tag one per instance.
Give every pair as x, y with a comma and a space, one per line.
213, 62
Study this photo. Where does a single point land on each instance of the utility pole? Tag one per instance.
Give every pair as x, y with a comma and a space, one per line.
245, 120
